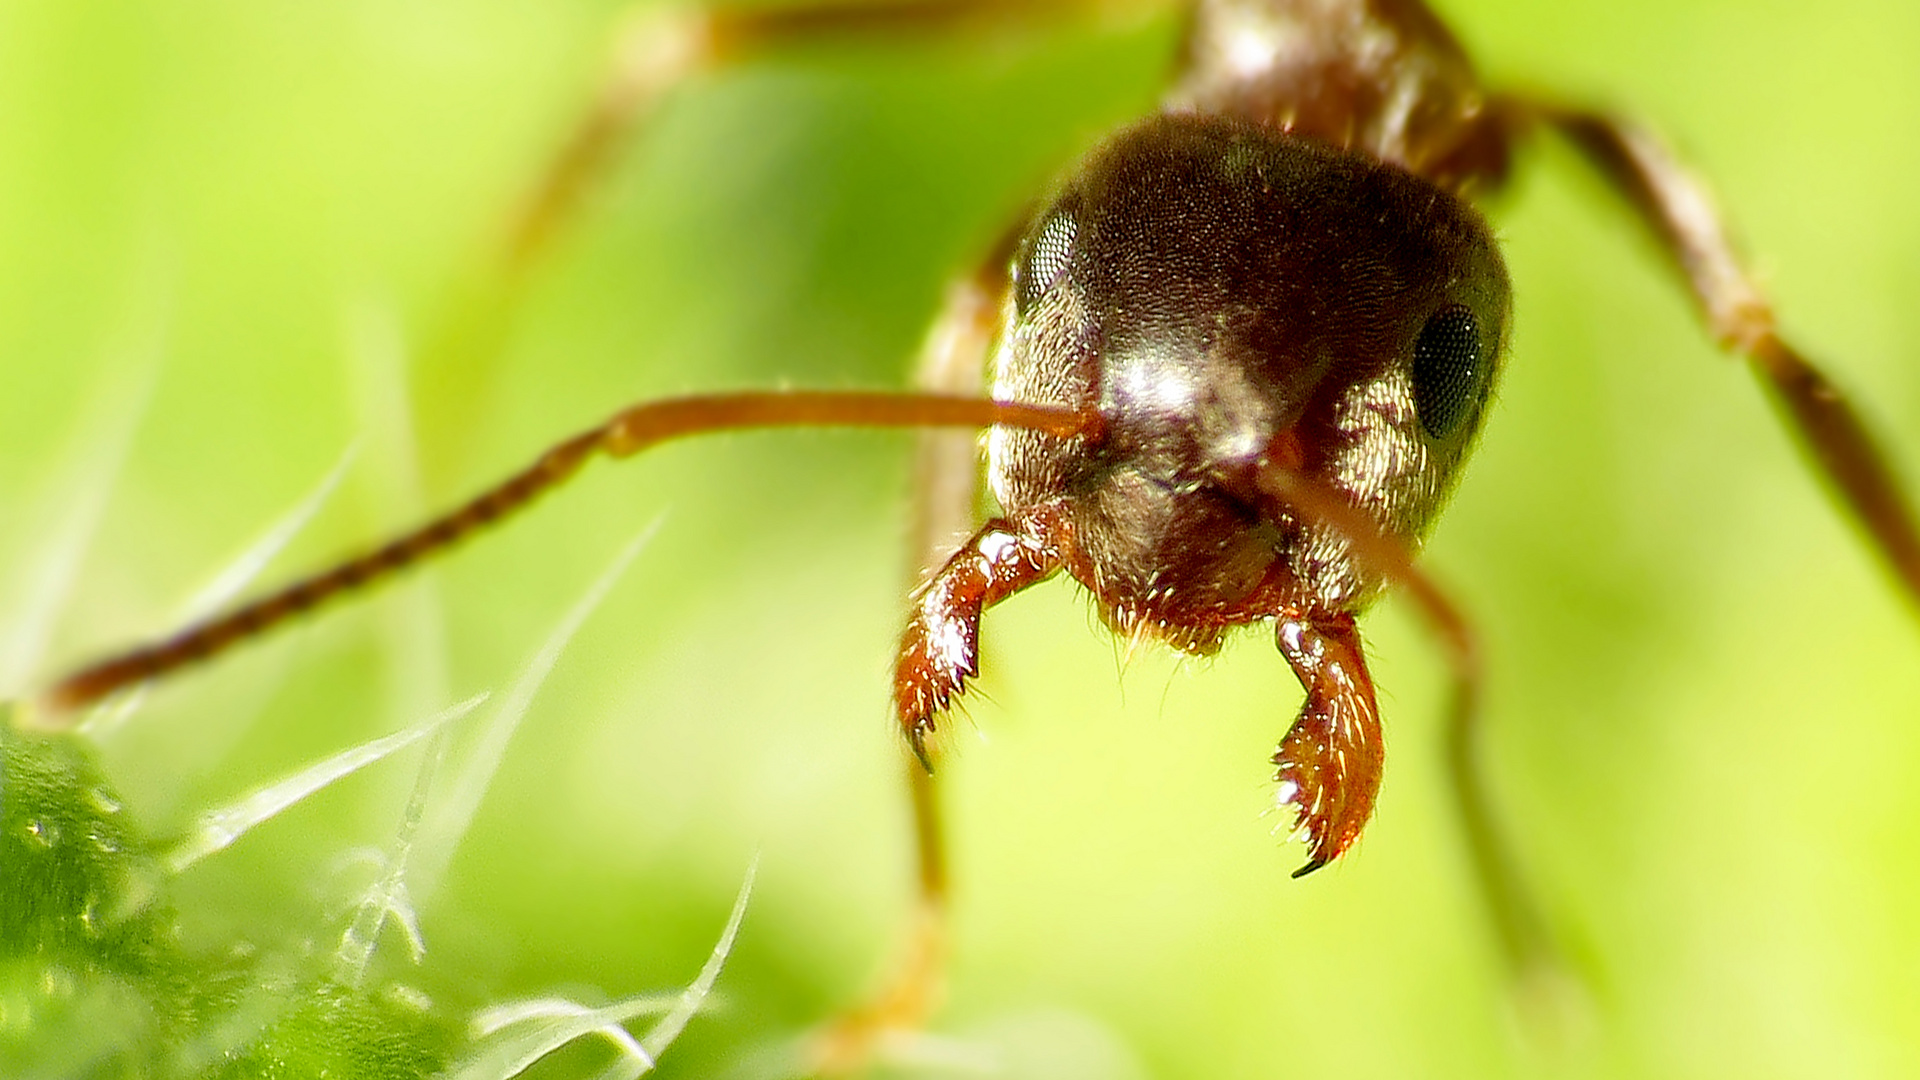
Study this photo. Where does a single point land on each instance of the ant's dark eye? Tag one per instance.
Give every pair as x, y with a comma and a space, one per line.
1449, 374
1049, 253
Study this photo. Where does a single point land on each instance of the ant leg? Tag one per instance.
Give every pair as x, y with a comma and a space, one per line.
653, 55
938, 653
946, 480
1327, 658
946, 469
659, 51
627, 432
1680, 211
656, 53
946, 493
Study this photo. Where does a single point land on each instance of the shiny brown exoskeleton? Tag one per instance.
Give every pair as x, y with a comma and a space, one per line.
1179, 286
1242, 351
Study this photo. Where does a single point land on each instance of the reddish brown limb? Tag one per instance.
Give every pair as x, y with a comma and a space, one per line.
1525, 937
990, 566
929, 839
940, 650
1679, 210
1329, 763
915, 975
660, 50
741, 31
654, 54
1524, 934
628, 432
946, 472
946, 480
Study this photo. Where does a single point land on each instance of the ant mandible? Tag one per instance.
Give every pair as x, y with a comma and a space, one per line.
1241, 361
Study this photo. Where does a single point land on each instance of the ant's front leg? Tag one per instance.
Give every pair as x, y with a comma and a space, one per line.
945, 494
945, 497
939, 652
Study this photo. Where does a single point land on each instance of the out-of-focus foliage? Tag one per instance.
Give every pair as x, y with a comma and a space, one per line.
98, 983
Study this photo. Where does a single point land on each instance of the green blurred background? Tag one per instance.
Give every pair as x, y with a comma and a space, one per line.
1703, 694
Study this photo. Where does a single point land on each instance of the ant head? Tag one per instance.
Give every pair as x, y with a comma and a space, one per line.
1230, 300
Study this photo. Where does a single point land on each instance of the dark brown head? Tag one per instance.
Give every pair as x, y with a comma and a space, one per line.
1227, 295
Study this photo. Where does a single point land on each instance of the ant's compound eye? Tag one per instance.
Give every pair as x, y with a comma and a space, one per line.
1048, 255
1449, 372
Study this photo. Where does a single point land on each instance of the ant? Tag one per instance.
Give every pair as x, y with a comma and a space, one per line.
1375, 559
